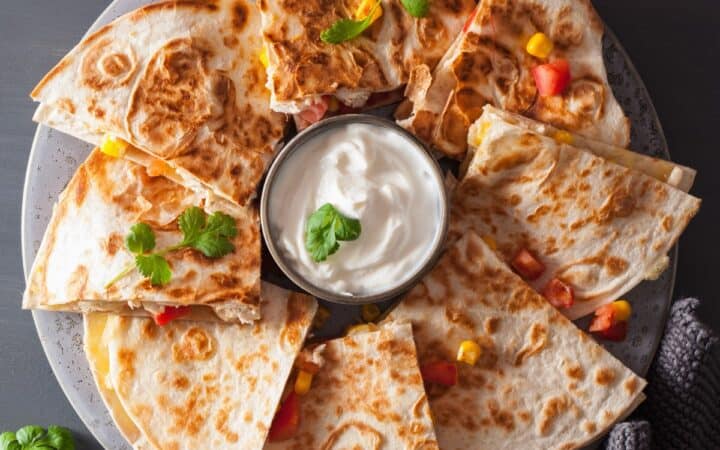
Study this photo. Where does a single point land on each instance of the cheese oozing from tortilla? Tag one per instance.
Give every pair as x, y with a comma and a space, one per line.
366, 172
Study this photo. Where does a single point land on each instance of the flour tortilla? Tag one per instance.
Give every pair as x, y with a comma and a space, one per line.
368, 394
676, 175
540, 382
302, 68
489, 64
600, 227
191, 385
84, 248
182, 82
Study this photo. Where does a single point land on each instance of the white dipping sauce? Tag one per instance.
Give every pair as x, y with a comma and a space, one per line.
367, 172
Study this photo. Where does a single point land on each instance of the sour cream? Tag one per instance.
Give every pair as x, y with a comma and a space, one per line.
372, 173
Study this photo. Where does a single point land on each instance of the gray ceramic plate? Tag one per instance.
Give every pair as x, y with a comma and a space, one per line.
55, 156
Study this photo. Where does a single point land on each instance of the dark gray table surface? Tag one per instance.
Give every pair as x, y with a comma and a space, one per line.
675, 46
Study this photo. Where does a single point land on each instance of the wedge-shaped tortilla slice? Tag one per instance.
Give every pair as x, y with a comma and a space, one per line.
540, 383
676, 175
84, 249
368, 394
179, 80
191, 385
489, 64
302, 68
599, 227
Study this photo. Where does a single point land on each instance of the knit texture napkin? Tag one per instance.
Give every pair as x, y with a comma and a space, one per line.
682, 410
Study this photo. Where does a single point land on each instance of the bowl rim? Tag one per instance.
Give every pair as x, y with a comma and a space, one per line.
297, 142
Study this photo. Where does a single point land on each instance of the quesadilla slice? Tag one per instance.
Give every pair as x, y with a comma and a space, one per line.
596, 227
181, 82
676, 175
85, 264
538, 382
191, 385
367, 393
304, 71
490, 64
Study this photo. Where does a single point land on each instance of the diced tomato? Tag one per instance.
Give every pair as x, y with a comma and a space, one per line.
171, 313
552, 78
287, 419
559, 294
604, 318
527, 265
440, 372
311, 114
616, 332
470, 19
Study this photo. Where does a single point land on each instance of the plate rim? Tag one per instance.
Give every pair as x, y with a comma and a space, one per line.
27, 265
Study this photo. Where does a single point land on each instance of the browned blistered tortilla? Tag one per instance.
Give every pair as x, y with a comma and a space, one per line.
182, 82
367, 394
302, 68
197, 385
598, 226
84, 248
489, 64
539, 383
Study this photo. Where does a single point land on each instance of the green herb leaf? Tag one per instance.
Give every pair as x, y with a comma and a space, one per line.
221, 224
141, 239
191, 223
8, 441
29, 434
416, 8
213, 246
154, 267
324, 228
60, 438
347, 29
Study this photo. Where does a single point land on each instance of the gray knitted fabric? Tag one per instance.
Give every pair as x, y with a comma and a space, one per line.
682, 410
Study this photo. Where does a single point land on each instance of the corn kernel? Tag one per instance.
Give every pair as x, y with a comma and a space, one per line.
490, 241
469, 352
563, 137
370, 313
361, 328
263, 57
321, 316
477, 138
303, 382
364, 9
113, 146
539, 45
622, 310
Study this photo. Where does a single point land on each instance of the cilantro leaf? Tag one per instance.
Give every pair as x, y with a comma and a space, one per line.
222, 224
213, 245
8, 441
325, 228
141, 239
212, 237
60, 438
191, 223
416, 8
346, 229
29, 434
154, 267
348, 29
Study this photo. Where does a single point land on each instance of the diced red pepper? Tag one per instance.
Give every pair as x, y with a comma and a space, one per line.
440, 372
470, 19
287, 419
313, 113
527, 265
171, 313
559, 294
616, 332
552, 78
